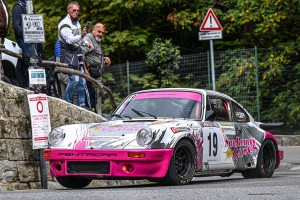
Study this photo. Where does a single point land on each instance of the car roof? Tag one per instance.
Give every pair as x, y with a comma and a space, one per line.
198, 90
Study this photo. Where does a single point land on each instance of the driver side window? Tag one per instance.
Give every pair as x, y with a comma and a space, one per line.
220, 108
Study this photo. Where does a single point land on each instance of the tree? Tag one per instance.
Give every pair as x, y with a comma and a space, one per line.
164, 58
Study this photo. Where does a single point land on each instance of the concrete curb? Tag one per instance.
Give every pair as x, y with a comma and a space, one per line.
288, 140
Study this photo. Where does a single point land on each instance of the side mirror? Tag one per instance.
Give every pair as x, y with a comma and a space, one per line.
210, 115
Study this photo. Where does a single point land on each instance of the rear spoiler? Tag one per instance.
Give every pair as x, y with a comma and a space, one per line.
270, 125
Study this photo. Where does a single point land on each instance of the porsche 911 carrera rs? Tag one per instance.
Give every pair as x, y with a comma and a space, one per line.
166, 136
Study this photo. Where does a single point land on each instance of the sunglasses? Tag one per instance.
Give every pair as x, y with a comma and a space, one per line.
74, 10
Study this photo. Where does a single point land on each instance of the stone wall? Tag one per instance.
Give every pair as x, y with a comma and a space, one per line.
19, 163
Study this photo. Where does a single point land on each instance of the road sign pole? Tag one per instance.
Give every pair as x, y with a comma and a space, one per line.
212, 64
211, 29
29, 10
43, 171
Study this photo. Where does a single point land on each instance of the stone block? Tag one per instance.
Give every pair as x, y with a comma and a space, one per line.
3, 150
17, 186
15, 149
29, 153
8, 171
28, 171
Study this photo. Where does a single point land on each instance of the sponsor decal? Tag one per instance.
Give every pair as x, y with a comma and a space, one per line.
227, 129
102, 138
179, 129
240, 147
114, 128
209, 124
88, 154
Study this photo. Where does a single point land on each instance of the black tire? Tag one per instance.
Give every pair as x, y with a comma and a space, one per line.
266, 162
73, 181
182, 166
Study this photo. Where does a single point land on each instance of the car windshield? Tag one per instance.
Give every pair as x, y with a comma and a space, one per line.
167, 104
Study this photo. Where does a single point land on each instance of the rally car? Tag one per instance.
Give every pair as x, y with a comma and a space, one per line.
167, 136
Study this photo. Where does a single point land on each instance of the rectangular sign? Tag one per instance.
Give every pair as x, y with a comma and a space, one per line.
211, 35
37, 76
33, 28
40, 120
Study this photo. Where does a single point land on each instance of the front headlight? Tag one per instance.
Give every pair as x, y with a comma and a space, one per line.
144, 137
56, 136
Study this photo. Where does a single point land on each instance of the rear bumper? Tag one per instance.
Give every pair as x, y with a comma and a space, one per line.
154, 164
280, 157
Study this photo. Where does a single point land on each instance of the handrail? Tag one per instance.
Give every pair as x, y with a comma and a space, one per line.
62, 67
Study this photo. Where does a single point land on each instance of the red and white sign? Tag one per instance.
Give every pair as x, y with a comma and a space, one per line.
211, 23
40, 120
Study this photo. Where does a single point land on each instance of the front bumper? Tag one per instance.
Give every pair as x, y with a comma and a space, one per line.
109, 163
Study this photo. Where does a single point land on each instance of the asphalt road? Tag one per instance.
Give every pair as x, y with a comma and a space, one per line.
285, 184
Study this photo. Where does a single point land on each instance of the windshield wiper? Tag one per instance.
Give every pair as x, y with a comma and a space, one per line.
139, 113
120, 116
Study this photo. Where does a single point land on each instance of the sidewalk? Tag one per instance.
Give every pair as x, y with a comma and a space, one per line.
288, 140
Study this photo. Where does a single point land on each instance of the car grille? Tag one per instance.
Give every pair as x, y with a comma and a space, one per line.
89, 167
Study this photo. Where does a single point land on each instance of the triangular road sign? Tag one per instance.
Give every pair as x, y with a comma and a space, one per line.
211, 23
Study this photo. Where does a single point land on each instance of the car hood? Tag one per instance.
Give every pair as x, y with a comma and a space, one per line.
107, 135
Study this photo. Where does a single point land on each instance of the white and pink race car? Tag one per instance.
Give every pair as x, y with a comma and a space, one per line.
167, 136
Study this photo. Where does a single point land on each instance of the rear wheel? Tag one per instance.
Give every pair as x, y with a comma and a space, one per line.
73, 181
266, 162
182, 165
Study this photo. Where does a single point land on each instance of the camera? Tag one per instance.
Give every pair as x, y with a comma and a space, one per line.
80, 59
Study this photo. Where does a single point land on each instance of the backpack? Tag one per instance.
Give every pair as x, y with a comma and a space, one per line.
94, 62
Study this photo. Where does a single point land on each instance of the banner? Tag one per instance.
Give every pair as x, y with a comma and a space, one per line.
40, 120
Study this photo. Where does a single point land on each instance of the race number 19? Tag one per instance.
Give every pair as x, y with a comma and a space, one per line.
213, 144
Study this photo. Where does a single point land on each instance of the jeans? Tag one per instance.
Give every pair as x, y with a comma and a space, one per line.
76, 82
26, 47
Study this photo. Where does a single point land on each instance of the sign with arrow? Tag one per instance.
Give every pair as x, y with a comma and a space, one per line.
211, 22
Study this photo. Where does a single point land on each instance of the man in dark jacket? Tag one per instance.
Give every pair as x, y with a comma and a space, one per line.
4, 24
18, 9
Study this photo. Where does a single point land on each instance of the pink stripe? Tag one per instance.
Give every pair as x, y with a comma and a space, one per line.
179, 95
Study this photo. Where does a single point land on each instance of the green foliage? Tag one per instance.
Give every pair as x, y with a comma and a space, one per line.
106, 106
164, 57
147, 80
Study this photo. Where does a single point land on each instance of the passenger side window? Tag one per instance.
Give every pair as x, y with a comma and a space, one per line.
239, 114
221, 109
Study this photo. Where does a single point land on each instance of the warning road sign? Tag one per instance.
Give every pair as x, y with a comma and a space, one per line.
211, 23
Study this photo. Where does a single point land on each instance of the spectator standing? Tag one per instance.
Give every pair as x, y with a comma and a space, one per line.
4, 24
70, 37
63, 78
19, 8
94, 58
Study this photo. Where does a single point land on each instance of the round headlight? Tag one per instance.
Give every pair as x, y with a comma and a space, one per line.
56, 136
144, 137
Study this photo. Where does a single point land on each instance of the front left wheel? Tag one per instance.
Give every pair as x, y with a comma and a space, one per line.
182, 166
